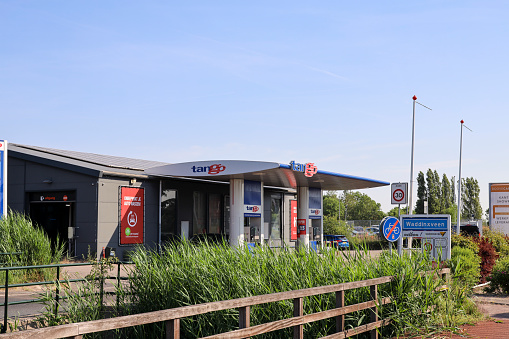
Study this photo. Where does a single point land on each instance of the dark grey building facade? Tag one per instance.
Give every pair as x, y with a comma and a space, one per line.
75, 196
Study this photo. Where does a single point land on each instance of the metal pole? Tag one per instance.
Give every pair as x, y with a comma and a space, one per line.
57, 291
410, 203
459, 182
6, 301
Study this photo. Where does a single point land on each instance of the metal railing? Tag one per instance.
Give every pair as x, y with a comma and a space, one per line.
55, 282
3, 262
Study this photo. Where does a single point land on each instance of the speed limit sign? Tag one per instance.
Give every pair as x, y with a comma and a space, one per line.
399, 193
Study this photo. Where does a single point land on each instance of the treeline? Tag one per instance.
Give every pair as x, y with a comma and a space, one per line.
441, 196
438, 191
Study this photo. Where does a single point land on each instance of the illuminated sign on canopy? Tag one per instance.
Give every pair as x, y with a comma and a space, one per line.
309, 168
212, 168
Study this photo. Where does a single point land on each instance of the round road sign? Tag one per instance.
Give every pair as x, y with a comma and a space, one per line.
398, 195
390, 227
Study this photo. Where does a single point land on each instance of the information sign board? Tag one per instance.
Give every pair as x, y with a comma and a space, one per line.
434, 230
132, 215
399, 193
499, 207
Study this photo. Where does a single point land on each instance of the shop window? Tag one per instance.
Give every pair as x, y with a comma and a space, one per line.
168, 213
199, 213
214, 213
275, 218
226, 214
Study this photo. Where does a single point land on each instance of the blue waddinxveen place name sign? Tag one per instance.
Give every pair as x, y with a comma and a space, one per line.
424, 224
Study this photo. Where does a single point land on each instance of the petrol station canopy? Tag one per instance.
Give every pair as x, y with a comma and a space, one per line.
291, 175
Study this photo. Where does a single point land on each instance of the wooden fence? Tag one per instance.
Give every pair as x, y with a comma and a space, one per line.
172, 317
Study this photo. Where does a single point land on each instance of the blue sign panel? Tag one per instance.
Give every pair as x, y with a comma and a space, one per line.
252, 199
438, 224
391, 228
315, 203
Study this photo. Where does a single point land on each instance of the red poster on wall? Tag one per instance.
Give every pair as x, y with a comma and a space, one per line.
132, 216
293, 219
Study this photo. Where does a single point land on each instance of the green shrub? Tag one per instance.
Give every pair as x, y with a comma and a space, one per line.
465, 265
464, 242
499, 279
499, 242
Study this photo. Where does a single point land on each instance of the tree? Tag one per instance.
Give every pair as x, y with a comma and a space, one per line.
446, 193
361, 207
331, 205
434, 189
331, 210
439, 194
471, 207
395, 213
421, 194
453, 190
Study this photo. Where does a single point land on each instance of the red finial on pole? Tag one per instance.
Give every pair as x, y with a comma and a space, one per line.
462, 121
415, 98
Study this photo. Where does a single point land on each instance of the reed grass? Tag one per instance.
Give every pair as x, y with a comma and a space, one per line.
184, 274
20, 234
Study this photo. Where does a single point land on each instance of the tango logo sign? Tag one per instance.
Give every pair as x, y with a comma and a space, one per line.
212, 169
309, 168
316, 212
253, 208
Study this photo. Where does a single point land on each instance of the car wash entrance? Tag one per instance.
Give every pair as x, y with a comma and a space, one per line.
54, 212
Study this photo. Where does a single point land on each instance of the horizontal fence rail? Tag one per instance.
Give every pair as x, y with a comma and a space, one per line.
171, 317
55, 282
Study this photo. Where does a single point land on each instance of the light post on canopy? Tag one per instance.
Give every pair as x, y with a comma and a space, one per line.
459, 181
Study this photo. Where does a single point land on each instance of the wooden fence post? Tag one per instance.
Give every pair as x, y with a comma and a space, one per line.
298, 310
173, 329
244, 317
374, 312
340, 319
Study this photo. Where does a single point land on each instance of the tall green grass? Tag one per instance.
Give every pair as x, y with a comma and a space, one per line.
19, 234
185, 274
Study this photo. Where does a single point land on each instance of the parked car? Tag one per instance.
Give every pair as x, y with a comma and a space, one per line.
358, 230
336, 241
373, 230
468, 229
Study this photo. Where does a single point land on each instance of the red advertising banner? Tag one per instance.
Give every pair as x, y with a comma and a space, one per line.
132, 217
293, 219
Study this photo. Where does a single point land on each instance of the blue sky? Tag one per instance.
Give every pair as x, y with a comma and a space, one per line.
329, 82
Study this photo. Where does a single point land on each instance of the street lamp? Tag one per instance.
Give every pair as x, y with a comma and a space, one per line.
459, 181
